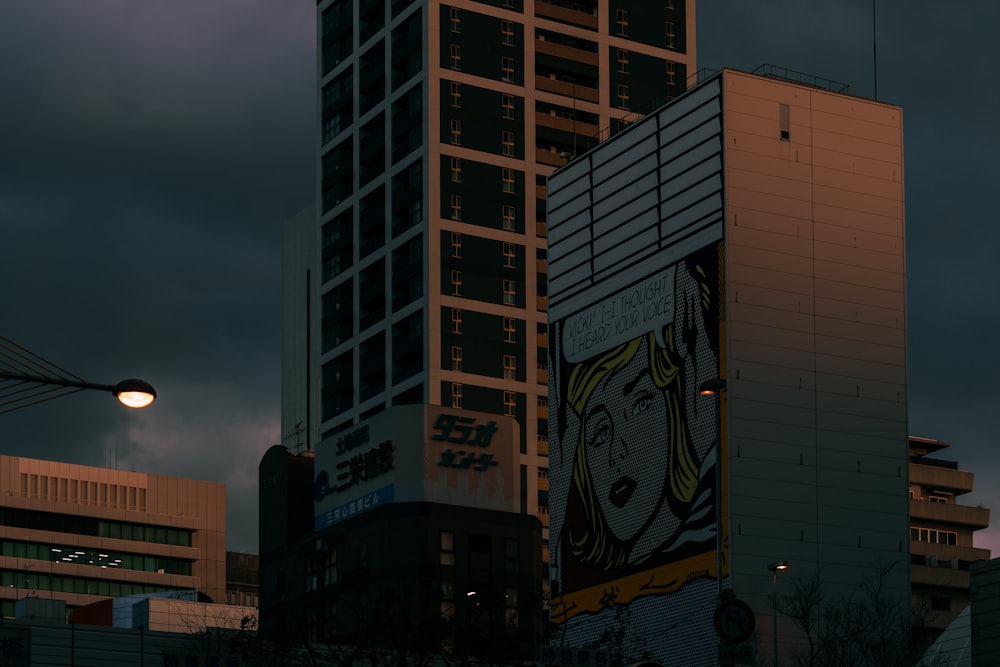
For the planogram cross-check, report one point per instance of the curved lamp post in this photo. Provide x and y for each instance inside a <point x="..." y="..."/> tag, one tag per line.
<point x="715" y="387"/>
<point x="27" y="379"/>
<point x="774" y="569"/>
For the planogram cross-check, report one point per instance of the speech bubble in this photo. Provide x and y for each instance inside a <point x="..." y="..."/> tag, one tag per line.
<point x="645" y="306"/>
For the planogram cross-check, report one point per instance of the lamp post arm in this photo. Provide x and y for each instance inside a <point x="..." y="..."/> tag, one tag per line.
<point x="62" y="382"/>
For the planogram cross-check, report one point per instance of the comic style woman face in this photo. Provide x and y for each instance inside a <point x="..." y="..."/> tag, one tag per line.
<point x="626" y="441"/>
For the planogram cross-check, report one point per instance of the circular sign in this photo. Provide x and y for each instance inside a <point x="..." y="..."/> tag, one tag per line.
<point x="734" y="621"/>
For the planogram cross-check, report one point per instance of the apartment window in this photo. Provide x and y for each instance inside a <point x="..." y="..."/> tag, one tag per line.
<point x="456" y="358"/>
<point x="456" y="395"/>
<point x="447" y="600"/>
<point x="507" y="68"/>
<point x="543" y="402"/>
<point x="507" y="176"/>
<point x="784" y="122"/>
<point x="507" y="32"/>
<point x="670" y="4"/>
<point x="508" y="3"/>
<point x="509" y="330"/>
<point x="509" y="257"/>
<point x="447" y="547"/>
<point x="456" y="282"/>
<point x="510" y="403"/>
<point x="671" y="34"/>
<point x="509" y="293"/>
<point x="934" y="536"/>
<point x="509" y="367"/>
<point x="456" y="207"/>
<point x="507" y="138"/>
<point x="623" y="61"/>
<point x="456" y="320"/>
<point x="511" y="556"/>
<point x="456" y="19"/>
<point x="621" y="18"/>
<point x="456" y="245"/>
<point x="671" y="73"/>
<point x="543" y="473"/>
<point x="508" y="217"/>
<point x="507" y="103"/>
<point x="456" y="95"/>
<point x="456" y="132"/>
<point x="330" y="567"/>
<point x="456" y="170"/>
<point x="456" y="56"/>
<point x="623" y="96"/>
<point x="938" y="499"/>
<point x="510" y="608"/>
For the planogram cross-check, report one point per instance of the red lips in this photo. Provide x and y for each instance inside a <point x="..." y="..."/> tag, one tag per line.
<point x="621" y="491"/>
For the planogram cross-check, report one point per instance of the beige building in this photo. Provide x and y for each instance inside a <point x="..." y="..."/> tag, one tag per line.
<point x="80" y="533"/>
<point x="941" y="535"/>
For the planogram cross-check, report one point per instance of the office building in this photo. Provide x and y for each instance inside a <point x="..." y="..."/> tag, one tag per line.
<point x="941" y="536"/>
<point x="81" y="534"/>
<point x="746" y="239"/>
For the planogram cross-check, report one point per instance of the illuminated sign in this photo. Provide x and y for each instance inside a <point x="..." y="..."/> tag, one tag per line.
<point x="464" y="431"/>
<point x="353" y="507"/>
<point x="356" y="468"/>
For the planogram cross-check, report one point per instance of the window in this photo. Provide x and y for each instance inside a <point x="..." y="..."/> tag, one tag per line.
<point x="447" y="547"/>
<point x="456" y="245"/>
<point x="510" y="608"/>
<point x="510" y="403"/>
<point x="938" y="499"/>
<point x="933" y="536"/>
<point x="456" y="395"/>
<point x="456" y="132"/>
<point x="330" y="567"/>
<point x="621" y="17"/>
<point x="456" y="207"/>
<point x="509" y="367"/>
<point x="511" y="556"/>
<point x="509" y="293"/>
<point x="671" y="73"/>
<point x="507" y="68"/>
<point x="456" y="358"/>
<point x="543" y="473"/>
<point x="507" y="175"/>
<point x="784" y="122"/>
<point x="447" y="600"/>
<point x="543" y="402"/>
<point x="671" y="34"/>
<point x="508" y="217"/>
<point x="456" y="56"/>
<point x="509" y="257"/>
<point x="456" y="170"/>
<point x="456" y="19"/>
<point x="623" y="61"/>
<point x="509" y="330"/>
<point x="456" y="320"/>
<point x="456" y="95"/>
<point x="507" y="103"/>
<point x="623" y="96"/>
<point x="507" y="138"/>
<point x="507" y="32"/>
<point x="456" y="282"/>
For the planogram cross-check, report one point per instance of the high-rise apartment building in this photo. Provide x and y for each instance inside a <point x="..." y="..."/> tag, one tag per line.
<point x="439" y="123"/>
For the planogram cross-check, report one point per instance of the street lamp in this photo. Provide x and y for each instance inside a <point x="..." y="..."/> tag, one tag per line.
<point x="774" y="569"/>
<point x="27" y="378"/>
<point x="715" y="387"/>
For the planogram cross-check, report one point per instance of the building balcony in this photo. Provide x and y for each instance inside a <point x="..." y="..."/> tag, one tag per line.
<point x="543" y="340"/>
<point x="542" y="303"/>
<point x="541" y="266"/>
<point x="936" y="477"/>
<point x="563" y="124"/>
<point x="542" y="375"/>
<point x="550" y="84"/>
<point x="947" y="513"/>
<point x="543" y="447"/>
<point x="551" y="158"/>
<point x="547" y="10"/>
<point x="541" y="230"/>
<point x="566" y="52"/>
<point x="939" y="577"/>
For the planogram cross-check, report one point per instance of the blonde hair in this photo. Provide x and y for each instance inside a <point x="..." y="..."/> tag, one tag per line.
<point x="594" y="544"/>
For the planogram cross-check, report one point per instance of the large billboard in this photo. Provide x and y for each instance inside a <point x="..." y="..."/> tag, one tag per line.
<point x="418" y="453"/>
<point x="635" y="330"/>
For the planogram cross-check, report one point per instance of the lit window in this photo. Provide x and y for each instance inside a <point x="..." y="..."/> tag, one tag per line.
<point x="671" y="35"/>
<point x="510" y="403"/>
<point x="456" y="320"/>
<point x="456" y="207"/>
<point x="509" y="367"/>
<point x="456" y="395"/>
<point x="543" y="402"/>
<point x="509" y="330"/>
<point x="671" y="73"/>
<point x="456" y="132"/>
<point x="456" y="245"/>
<point x="447" y="545"/>
<point x="456" y="170"/>
<point x="456" y="95"/>
<point x="507" y="138"/>
<point x="456" y="56"/>
<point x="623" y="96"/>
<point x="456" y="358"/>
<point x="507" y="103"/>
<point x="507" y="175"/>
<point x="508" y="217"/>
<point x="456" y="282"/>
<point x="509" y="257"/>
<point x="509" y="293"/>
<point x="507" y="30"/>
<point x="623" y="61"/>
<point x="507" y="68"/>
<point x="456" y="19"/>
<point x="621" y="17"/>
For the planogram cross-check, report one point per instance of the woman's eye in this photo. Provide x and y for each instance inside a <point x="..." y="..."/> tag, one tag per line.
<point x="642" y="403"/>
<point x="601" y="436"/>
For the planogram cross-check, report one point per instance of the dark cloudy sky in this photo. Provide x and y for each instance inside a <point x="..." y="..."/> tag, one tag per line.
<point x="150" y="150"/>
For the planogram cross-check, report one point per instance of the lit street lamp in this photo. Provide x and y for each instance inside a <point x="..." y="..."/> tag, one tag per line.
<point x="27" y="379"/>
<point x="774" y="568"/>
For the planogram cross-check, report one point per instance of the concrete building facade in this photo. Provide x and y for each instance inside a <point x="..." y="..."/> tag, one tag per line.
<point x="746" y="238"/>
<point x="80" y="533"/>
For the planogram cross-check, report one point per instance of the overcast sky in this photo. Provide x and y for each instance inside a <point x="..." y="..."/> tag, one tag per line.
<point x="150" y="151"/>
